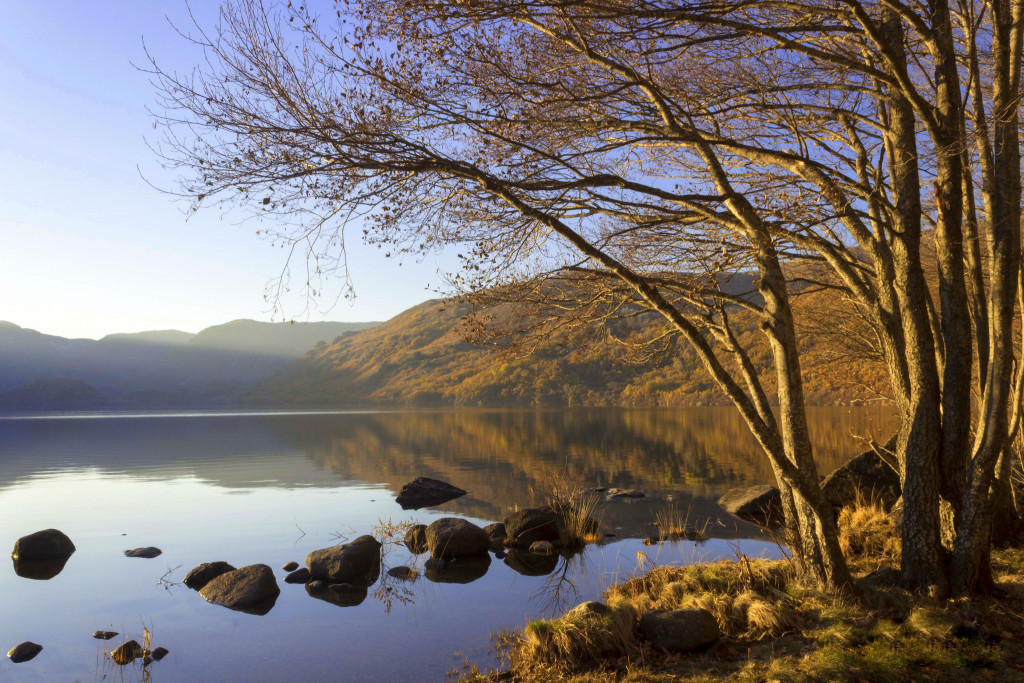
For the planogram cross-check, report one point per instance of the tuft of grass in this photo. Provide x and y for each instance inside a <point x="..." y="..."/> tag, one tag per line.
<point x="674" y="525"/>
<point x="868" y="533"/>
<point x="580" y="638"/>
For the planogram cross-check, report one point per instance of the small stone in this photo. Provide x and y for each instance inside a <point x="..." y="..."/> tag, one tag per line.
<point x="290" y="566"/>
<point x="104" y="635"/>
<point x="403" y="572"/>
<point x="127" y="653"/>
<point x="542" y="547"/>
<point x="148" y="552"/>
<point x="24" y="651"/>
<point x="160" y="653"/>
<point x="298" y="576"/>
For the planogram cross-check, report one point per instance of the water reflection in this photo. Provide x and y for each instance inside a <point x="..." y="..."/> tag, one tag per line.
<point x="39" y="570"/>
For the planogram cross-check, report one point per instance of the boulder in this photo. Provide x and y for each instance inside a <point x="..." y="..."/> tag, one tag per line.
<point x="679" y="630"/>
<point x="760" y="505"/>
<point x="864" y="476"/>
<point x="460" y="570"/>
<point x="22" y="652"/>
<point x="496" y="532"/>
<point x="127" y="653"/>
<point x="354" y="562"/>
<point x="148" y="552"/>
<point x="423" y="492"/>
<point x="300" y="575"/>
<point x="46" y="545"/>
<point x="416" y="539"/>
<point x="290" y="566"/>
<point x="525" y="527"/>
<point x="104" y="635"/>
<point x="451" y="537"/>
<point x="251" y="589"/>
<point x="205" y="573"/>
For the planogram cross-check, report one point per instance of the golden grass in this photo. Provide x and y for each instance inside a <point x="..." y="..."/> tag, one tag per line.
<point x="869" y="533"/>
<point x="674" y="525"/>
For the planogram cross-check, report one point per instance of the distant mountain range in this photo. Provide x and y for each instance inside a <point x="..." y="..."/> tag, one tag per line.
<point x="158" y="369"/>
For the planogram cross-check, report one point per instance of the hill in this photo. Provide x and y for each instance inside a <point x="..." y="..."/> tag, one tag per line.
<point x="158" y="369"/>
<point x="420" y="358"/>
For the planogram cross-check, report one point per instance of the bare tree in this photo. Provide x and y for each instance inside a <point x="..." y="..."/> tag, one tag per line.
<point x="637" y="152"/>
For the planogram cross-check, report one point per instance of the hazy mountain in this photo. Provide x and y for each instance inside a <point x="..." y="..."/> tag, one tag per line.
<point x="165" y="368"/>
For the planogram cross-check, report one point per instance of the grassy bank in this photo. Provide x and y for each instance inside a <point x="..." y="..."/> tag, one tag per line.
<point x="775" y="629"/>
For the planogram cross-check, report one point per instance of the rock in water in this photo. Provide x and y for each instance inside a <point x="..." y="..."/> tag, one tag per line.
<point x="104" y="635"/>
<point x="404" y="573"/>
<point x="422" y="492"/>
<point x="679" y="630"/>
<point x="250" y="589"/>
<point x="416" y="539"/>
<point x="865" y="475"/>
<point x="290" y="566"/>
<point x="300" y="575"/>
<point x="24" y="651"/>
<point x="451" y="537"/>
<point x="624" y="493"/>
<point x="49" y="544"/>
<point x="160" y="652"/>
<point x="355" y="562"/>
<point x="149" y="552"/>
<point x="760" y="505"/>
<point x="127" y="653"/>
<point x="525" y="527"/>
<point x="205" y="573"/>
<point x="496" y="532"/>
<point x="461" y="570"/>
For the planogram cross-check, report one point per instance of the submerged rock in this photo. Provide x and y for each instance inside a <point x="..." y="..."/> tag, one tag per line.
<point x="104" y="635"/>
<point x="22" y="652"/>
<point x="354" y="562"/>
<point x="679" y="630"/>
<point x="159" y="653"/>
<point x="451" y="537"/>
<point x="424" y="492"/>
<point x="45" y="545"/>
<point x="148" y="552"/>
<point x="416" y="539"/>
<point x="251" y="589"/>
<point x="760" y="505"/>
<point x="530" y="564"/>
<point x="340" y="594"/>
<point x="127" y="653"/>
<point x="205" y="573"/>
<point x="404" y="573"/>
<point x="41" y="570"/>
<point x="300" y="575"/>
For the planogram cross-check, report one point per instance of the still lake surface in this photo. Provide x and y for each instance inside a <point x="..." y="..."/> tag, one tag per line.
<point x="271" y="487"/>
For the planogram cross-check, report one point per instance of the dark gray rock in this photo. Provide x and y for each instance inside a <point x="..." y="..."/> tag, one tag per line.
<point x="159" y="653"/>
<point x="251" y="589"/>
<point x="423" y="492"/>
<point x="22" y="652"/>
<point x="49" y="544"/>
<point x="416" y="539"/>
<point x="496" y="532"/>
<point x="542" y="547"/>
<point x="127" y="653"/>
<point x="340" y="594"/>
<point x="525" y="527"/>
<point x="300" y="575"/>
<point x="104" y="635"/>
<point x="354" y="562"/>
<point x="451" y="537"/>
<point x="866" y="476"/>
<point x="148" y="552"/>
<point x="404" y="573"/>
<point x="205" y="573"/>
<point x="290" y="566"/>
<point x="679" y="630"/>
<point x="434" y="564"/>
<point x="459" y="570"/>
<point x="760" y="505"/>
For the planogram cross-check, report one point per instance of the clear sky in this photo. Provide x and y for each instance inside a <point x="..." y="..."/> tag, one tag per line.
<point x="87" y="248"/>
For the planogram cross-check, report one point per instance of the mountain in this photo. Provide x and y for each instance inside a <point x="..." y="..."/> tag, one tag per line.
<point x="420" y="358"/>
<point x="157" y="369"/>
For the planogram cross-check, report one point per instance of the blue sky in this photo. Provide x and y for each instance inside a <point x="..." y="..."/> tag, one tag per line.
<point x="87" y="248"/>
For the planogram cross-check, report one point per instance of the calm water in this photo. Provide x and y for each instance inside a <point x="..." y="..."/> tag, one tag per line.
<point x="270" y="488"/>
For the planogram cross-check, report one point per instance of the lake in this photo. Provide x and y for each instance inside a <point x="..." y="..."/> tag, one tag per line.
<point x="271" y="487"/>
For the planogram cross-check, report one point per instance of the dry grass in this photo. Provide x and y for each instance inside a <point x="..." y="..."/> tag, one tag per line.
<point x="674" y="525"/>
<point x="579" y="511"/>
<point x="776" y="629"/>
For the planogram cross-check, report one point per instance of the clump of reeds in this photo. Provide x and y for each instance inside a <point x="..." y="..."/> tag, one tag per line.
<point x="674" y="525"/>
<point x="579" y="511"/>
